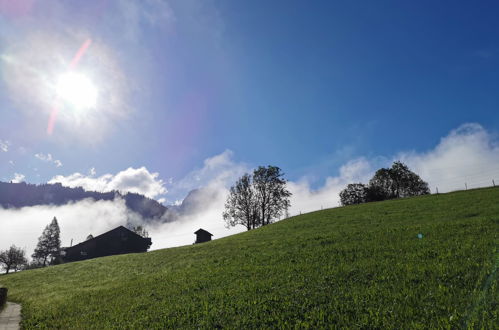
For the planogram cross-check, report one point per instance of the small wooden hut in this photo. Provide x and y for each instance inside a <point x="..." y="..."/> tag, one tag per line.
<point x="202" y="236"/>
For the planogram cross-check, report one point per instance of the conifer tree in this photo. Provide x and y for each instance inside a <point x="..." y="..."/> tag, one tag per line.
<point x="48" y="248"/>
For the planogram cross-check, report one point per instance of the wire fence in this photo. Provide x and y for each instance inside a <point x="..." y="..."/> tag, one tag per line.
<point x="487" y="178"/>
<point x="441" y="181"/>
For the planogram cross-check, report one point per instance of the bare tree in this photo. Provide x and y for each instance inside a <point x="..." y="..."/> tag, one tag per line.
<point x="13" y="258"/>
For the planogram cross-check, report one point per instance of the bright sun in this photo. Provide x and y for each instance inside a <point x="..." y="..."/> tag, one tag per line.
<point x="77" y="89"/>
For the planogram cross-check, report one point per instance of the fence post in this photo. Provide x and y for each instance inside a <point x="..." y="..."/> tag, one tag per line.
<point x="466" y="185"/>
<point x="493" y="183"/>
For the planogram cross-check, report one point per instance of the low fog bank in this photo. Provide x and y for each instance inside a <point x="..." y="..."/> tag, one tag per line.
<point x="202" y="211"/>
<point x="24" y="226"/>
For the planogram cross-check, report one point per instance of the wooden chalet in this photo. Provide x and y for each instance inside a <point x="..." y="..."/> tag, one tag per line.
<point x="120" y="240"/>
<point x="202" y="236"/>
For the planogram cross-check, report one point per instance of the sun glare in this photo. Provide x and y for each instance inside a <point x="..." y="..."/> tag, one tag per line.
<point x="77" y="89"/>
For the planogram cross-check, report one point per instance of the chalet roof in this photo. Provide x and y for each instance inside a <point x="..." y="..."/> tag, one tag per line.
<point x="201" y="231"/>
<point x="119" y="228"/>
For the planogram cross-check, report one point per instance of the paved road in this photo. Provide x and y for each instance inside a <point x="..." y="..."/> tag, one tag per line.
<point x="10" y="317"/>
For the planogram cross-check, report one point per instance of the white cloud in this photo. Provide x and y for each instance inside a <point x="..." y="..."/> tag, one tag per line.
<point x="306" y="199"/>
<point x="23" y="226"/>
<point x="4" y="145"/>
<point x="181" y="231"/>
<point x="469" y="154"/>
<point x="43" y="157"/>
<point x="77" y="220"/>
<point x="136" y="180"/>
<point x="47" y="158"/>
<point x="220" y="171"/>
<point x="466" y="153"/>
<point x="203" y="207"/>
<point x="18" y="177"/>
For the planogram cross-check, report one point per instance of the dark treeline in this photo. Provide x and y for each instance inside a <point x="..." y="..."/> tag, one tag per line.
<point x="397" y="181"/>
<point x="16" y="195"/>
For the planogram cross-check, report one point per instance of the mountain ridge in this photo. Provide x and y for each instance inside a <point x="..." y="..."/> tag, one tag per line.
<point x="17" y="195"/>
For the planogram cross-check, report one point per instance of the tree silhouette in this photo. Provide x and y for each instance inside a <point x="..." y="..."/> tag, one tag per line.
<point x="396" y="182"/>
<point x="240" y="208"/>
<point x="354" y="193"/>
<point x="13" y="258"/>
<point x="257" y="200"/>
<point x="387" y="183"/>
<point x="48" y="249"/>
<point x="272" y="197"/>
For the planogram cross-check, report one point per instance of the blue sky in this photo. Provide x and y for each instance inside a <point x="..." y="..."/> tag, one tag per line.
<point x="307" y="86"/>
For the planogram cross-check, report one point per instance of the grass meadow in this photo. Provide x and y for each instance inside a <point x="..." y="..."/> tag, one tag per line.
<point x="357" y="266"/>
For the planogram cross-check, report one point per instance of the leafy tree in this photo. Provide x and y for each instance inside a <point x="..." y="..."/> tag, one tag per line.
<point x="354" y="193"/>
<point x="272" y="197"/>
<point x="240" y="208"/>
<point x="13" y="258"/>
<point x="395" y="182"/>
<point x="380" y="186"/>
<point x="257" y="200"/>
<point x="48" y="249"/>
<point x="387" y="183"/>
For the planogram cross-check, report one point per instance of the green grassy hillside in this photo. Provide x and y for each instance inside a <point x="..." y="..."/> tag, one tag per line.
<point x="356" y="266"/>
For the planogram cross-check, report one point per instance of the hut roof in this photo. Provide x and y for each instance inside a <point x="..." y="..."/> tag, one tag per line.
<point x="200" y="230"/>
<point x="119" y="228"/>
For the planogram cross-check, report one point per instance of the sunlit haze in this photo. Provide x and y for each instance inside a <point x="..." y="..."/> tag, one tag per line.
<point x="172" y="98"/>
<point x="77" y="89"/>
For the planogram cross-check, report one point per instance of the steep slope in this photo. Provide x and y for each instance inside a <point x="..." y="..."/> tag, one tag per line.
<point x="356" y="266"/>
